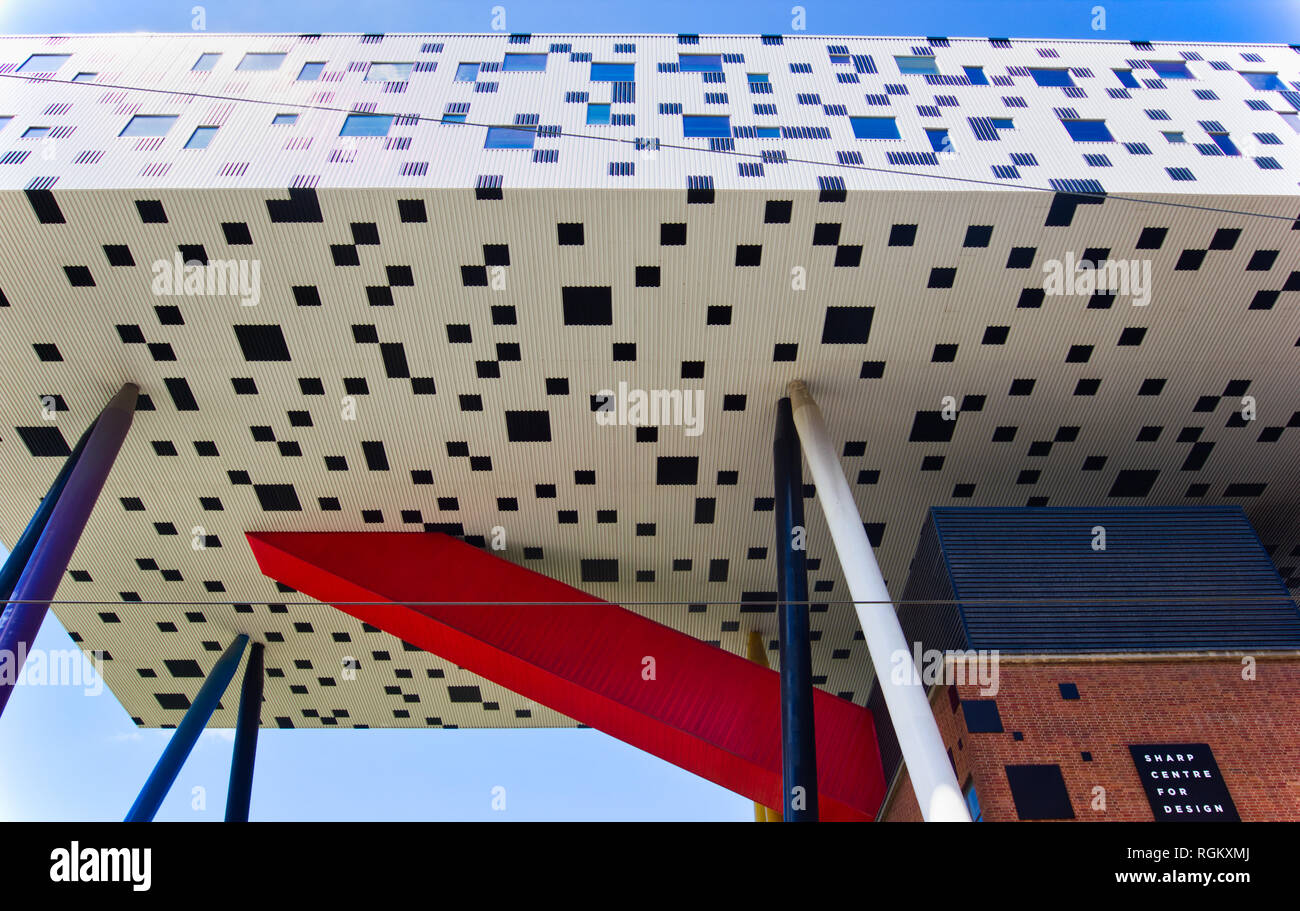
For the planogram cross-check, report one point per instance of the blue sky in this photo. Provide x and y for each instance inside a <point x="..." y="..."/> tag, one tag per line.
<point x="1201" y="20"/>
<point x="68" y="755"/>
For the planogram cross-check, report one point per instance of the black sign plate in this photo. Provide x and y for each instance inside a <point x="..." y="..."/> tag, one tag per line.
<point x="1183" y="783"/>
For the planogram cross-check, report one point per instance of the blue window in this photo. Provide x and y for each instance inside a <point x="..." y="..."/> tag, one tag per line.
<point x="284" y="120"/>
<point x="36" y="132"/>
<point x="757" y="77"/>
<point x="1126" y="79"/>
<point x="4" y="121"/>
<point x="310" y="72"/>
<point x="1224" y="143"/>
<point x="939" y="140"/>
<point x="973" y="803"/>
<point x="467" y="72"/>
<point x="1087" y="130"/>
<point x="509" y="138"/>
<point x="453" y="118"/>
<point x="261" y="62"/>
<point x="84" y="77"/>
<point x="767" y="132"/>
<point x="700" y="63"/>
<point x="1264" y="81"/>
<point x="43" y="63"/>
<point x="1002" y="123"/>
<point x="1171" y="69"/>
<point x="975" y="74"/>
<point x="613" y="72"/>
<point x="388" y="72"/>
<point x="1174" y="137"/>
<point x="874" y="128"/>
<point x="1050" y="77"/>
<point x="200" y="138"/>
<point x="927" y="65"/>
<point x="598" y="113"/>
<point x="524" y="63"/>
<point x="206" y="62"/>
<point x="366" y="125"/>
<point x="148" y="125"/>
<point x="697" y="125"/>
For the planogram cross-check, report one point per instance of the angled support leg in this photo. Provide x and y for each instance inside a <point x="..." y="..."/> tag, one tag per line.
<point x="47" y="560"/>
<point x="703" y="708"/>
<point x="187" y="734"/>
<point x="798" y="738"/>
<point x="240" y="792"/>
<point x="919" y="740"/>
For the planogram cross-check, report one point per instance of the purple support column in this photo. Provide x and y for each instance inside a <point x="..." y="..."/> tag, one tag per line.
<point x="49" y="561"/>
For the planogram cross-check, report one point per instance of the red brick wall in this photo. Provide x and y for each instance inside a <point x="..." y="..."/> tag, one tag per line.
<point x="1252" y="726"/>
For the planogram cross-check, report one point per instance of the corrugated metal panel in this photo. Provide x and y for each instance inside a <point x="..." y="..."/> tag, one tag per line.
<point x="936" y="625"/>
<point x="1176" y="578"/>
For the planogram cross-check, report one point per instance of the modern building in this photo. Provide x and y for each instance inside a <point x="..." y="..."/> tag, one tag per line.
<point x="541" y="296"/>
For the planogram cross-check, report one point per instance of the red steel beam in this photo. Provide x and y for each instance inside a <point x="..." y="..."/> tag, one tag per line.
<point x="703" y="709"/>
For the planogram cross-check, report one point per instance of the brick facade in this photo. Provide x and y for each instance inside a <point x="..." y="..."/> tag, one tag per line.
<point x="1251" y="725"/>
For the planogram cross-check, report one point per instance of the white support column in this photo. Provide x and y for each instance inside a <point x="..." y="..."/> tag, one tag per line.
<point x="937" y="791"/>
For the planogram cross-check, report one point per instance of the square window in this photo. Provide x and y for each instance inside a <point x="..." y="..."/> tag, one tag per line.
<point x="1266" y="82"/>
<point x="1171" y="69"/>
<point x="509" y="138"/>
<point x="43" y="63"/>
<point x="200" y="138"/>
<point x="981" y="716"/>
<point x="874" y="128"/>
<point x="1039" y="792"/>
<point x="975" y="75"/>
<point x="699" y="63"/>
<point x="310" y="72"/>
<point x="1126" y="79"/>
<point x="388" y="72"/>
<point x="148" y="125"/>
<point x="205" y="62"/>
<point x="467" y="72"/>
<point x="705" y="125"/>
<point x="524" y="63"/>
<point x="913" y="65"/>
<point x="367" y="125"/>
<point x="612" y="72"/>
<point x="902" y="235"/>
<point x="939" y="140"/>
<point x="1087" y="130"/>
<point x="597" y="114"/>
<point x="1050" y="77"/>
<point x="260" y="63"/>
<point x="1224" y="143"/>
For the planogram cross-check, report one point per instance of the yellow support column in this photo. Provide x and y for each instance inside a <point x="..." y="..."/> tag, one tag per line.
<point x="758" y="654"/>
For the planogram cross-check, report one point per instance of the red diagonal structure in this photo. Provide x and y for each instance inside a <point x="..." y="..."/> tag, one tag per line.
<point x="706" y="710"/>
